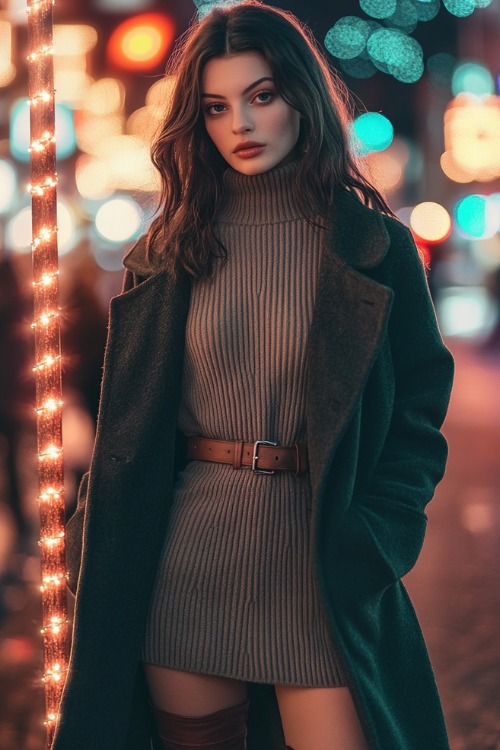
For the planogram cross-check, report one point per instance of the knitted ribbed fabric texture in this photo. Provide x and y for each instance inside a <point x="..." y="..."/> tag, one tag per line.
<point x="235" y="593"/>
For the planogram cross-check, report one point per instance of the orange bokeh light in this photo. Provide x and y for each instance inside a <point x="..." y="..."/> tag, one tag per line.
<point x="141" y="42"/>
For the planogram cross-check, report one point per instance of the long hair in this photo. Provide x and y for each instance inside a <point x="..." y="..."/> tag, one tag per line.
<point x="183" y="235"/>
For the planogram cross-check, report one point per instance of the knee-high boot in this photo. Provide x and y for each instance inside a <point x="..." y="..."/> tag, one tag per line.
<point x="223" y="730"/>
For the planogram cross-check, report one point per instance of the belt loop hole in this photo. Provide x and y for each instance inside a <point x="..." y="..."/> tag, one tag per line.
<point x="238" y="453"/>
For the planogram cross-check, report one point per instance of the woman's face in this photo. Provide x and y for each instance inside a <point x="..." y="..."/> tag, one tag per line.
<point x="241" y="105"/>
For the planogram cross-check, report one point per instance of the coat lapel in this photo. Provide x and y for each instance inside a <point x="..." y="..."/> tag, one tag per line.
<point x="349" y="320"/>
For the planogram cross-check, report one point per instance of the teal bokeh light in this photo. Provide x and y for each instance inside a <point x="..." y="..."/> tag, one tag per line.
<point x="20" y="131"/>
<point x="359" y="67"/>
<point x="426" y="11"/>
<point x="205" y="6"/>
<point x="371" y="131"/>
<point x="472" y="78"/>
<point x="470" y="215"/>
<point x="378" y="8"/>
<point x="405" y="16"/>
<point x="440" y="68"/>
<point x="394" y="52"/>
<point x="460" y="8"/>
<point x="347" y="39"/>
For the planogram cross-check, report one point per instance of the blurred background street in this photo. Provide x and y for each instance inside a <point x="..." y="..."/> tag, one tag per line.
<point x="425" y="75"/>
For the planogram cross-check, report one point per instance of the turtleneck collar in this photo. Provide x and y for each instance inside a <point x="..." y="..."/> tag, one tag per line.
<point x="266" y="198"/>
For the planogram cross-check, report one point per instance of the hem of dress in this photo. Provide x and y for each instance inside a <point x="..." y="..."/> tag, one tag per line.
<point x="238" y="676"/>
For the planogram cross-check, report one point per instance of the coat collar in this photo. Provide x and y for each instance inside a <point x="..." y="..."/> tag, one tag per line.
<point x="358" y="237"/>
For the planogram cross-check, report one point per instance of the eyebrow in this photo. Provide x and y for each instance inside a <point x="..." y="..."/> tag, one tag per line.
<point x="245" y="91"/>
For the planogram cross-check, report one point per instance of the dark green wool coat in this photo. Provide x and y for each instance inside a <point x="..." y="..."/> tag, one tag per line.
<point x="379" y="379"/>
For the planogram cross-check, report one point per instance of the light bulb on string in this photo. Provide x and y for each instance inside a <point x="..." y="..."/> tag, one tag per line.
<point x="47" y="365"/>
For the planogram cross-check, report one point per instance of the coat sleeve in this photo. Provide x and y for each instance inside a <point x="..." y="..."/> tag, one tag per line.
<point x="74" y="526"/>
<point x="384" y="528"/>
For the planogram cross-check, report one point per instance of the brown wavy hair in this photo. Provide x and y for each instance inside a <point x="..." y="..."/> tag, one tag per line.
<point x="191" y="168"/>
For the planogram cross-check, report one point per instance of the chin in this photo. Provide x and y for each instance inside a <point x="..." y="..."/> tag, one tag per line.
<point x="254" y="166"/>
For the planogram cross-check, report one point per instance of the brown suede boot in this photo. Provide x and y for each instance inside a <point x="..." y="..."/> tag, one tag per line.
<point x="223" y="730"/>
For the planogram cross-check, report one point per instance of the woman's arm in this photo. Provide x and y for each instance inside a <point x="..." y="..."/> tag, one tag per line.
<point x="384" y="528"/>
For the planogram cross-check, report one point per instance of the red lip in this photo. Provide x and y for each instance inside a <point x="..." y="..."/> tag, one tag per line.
<point x="246" y="144"/>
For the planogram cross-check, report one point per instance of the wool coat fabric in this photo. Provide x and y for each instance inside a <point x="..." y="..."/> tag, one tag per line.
<point x="379" y="379"/>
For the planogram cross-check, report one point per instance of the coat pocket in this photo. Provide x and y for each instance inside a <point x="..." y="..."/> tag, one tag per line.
<point x="379" y="542"/>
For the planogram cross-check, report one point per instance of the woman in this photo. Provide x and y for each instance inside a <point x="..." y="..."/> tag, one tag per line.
<point x="232" y="593"/>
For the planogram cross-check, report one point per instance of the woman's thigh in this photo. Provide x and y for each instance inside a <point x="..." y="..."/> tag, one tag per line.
<point x="319" y="718"/>
<point x="191" y="694"/>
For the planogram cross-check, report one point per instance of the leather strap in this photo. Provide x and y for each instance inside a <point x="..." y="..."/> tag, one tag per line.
<point x="238" y="454"/>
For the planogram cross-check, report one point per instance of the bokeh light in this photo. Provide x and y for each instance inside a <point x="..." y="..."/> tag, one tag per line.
<point x="19" y="230"/>
<point x="431" y="221"/>
<point x="7" y="185"/>
<point x="371" y="131"/>
<point x="7" y="67"/>
<point x="92" y="133"/>
<point x="119" y="219"/>
<point x="74" y="39"/>
<point x="92" y="178"/>
<point x="141" y="42"/>
<point x="20" y="131"/>
<point x="358" y="67"/>
<point x="205" y="6"/>
<point x="472" y="78"/>
<point x="405" y="17"/>
<point x="347" y="39"/>
<point x="466" y="311"/>
<point x="378" y="8"/>
<point x="426" y="10"/>
<point x="460" y="8"/>
<point x="471" y="128"/>
<point x="478" y="215"/>
<point x="385" y="170"/>
<point x="396" y="53"/>
<point x="105" y="97"/>
<point x="440" y="68"/>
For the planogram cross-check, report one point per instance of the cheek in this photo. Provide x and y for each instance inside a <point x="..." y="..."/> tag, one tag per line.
<point x="213" y="131"/>
<point x="286" y="123"/>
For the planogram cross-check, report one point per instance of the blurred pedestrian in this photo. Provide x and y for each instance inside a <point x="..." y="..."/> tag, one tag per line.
<point x="268" y="436"/>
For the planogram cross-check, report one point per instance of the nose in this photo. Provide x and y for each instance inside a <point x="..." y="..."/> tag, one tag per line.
<point x="242" y="122"/>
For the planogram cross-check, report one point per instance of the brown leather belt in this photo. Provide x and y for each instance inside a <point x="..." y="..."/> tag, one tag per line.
<point x="263" y="456"/>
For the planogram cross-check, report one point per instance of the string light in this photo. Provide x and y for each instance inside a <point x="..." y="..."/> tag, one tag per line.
<point x="45" y="319"/>
<point x="45" y="235"/>
<point x="42" y="143"/>
<point x="42" y="97"/>
<point x="38" y="5"/>
<point x="51" y="721"/>
<point x="47" y="367"/>
<point x="46" y="279"/>
<point x="55" y="673"/>
<point x="54" y="627"/>
<point x="51" y="404"/>
<point x="47" y="49"/>
<point x="50" y="494"/>
<point x="40" y="189"/>
<point x="48" y="361"/>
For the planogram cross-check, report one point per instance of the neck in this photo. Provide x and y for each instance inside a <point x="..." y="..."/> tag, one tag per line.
<point x="266" y="198"/>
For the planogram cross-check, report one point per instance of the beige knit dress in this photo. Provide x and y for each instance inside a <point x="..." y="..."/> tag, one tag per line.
<point x="235" y="593"/>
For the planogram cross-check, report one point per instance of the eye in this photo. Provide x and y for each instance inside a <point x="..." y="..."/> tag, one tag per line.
<point x="265" y="96"/>
<point x="211" y="109"/>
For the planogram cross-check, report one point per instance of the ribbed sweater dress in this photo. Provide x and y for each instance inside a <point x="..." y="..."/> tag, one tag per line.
<point x="235" y="593"/>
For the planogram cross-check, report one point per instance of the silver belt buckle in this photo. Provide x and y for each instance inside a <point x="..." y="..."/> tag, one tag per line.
<point x="255" y="456"/>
